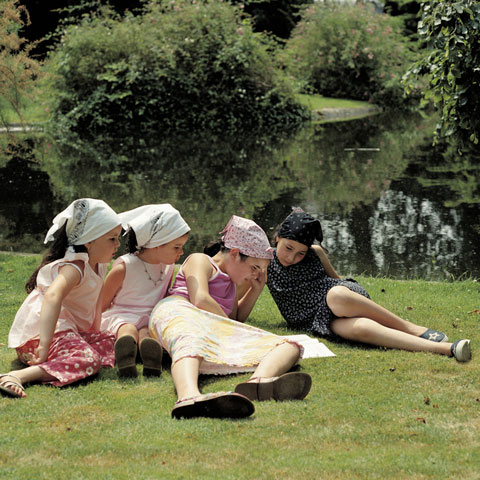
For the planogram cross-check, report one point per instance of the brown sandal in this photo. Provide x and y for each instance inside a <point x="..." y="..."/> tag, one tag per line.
<point x="151" y="353"/>
<point x="125" y="356"/>
<point x="214" y="405"/>
<point x="290" y="386"/>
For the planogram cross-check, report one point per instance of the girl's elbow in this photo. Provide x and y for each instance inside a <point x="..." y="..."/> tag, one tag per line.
<point x="200" y="301"/>
<point x="52" y="298"/>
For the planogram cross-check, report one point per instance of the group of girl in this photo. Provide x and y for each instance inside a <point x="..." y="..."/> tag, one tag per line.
<point x="74" y="322"/>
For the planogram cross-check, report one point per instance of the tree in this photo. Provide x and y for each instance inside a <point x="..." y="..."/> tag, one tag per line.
<point x="451" y="64"/>
<point x="18" y="71"/>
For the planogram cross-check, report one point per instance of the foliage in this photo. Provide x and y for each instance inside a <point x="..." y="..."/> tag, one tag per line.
<point x="371" y="413"/>
<point x="180" y="66"/>
<point x="278" y="17"/>
<point x="408" y="11"/>
<point x="18" y="72"/>
<point x="451" y="64"/>
<point x="349" y="51"/>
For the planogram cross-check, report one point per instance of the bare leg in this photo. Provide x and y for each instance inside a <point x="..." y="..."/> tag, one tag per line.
<point x="128" y="329"/>
<point x="185" y="377"/>
<point x="270" y="382"/>
<point x="143" y="333"/>
<point x="369" y="331"/>
<point x="278" y="361"/>
<point x="27" y="375"/>
<point x="345" y="303"/>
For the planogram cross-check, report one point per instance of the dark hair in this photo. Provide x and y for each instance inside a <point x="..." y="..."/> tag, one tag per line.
<point x="218" y="246"/>
<point x="57" y="250"/>
<point x="131" y="244"/>
<point x="276" y="232"/>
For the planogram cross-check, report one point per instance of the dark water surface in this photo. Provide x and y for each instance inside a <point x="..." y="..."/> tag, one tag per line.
<point x="389" y="203"/>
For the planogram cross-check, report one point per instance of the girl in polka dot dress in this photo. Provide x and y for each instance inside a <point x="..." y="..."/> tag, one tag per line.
<point x="56" y="330"/>
<point x="311" y="296"/>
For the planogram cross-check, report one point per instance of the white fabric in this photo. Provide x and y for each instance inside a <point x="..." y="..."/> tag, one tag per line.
<point x="87" y="219"/>
<point x="312" y="348"/>
<point x="155" y="225"/>
<point x="138" y="294"/>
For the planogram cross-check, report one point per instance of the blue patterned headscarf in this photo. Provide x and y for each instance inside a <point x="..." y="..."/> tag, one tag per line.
<point x="301" y="227"/>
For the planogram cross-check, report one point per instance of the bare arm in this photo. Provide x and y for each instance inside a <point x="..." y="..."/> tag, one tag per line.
<point x="249" y="296"/>
<point x="68" y="277"/>
<point x="325" y="261"/>
<point x="198" y="270"/>
<point x="113" y="283"/>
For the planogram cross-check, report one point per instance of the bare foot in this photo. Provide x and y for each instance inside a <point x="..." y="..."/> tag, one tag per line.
<point x="11" y="386"/>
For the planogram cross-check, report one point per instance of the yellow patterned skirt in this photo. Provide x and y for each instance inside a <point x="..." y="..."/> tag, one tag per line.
<point x="225" y="345"/>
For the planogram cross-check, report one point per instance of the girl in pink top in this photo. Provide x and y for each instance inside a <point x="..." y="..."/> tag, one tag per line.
<point x="201" y="326"/>
<point x="57" y="329"/>
<point x="139" y="280"/>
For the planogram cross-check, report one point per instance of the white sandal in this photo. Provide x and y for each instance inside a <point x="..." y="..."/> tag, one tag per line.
<point x="4" y="386"/>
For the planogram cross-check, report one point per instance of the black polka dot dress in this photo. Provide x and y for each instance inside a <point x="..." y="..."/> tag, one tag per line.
<point x="300" y="292"/>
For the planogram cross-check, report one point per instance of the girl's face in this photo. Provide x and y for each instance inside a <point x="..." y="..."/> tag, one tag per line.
<point x="290" y="252"/>
<point x="247" y="269"/>
<point x="104" y="248"/>
<point x="170" y="252"/>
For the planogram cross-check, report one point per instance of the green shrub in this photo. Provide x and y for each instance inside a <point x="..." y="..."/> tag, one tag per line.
<point x="349" y="51"/>
<point x="181" y="65"/>
<point x="451" y="65"/>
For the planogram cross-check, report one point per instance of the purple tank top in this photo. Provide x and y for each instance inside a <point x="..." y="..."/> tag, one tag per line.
<point x="220" y="287"/>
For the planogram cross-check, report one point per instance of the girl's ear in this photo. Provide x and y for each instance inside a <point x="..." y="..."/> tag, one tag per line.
<point x="234" y="253"/>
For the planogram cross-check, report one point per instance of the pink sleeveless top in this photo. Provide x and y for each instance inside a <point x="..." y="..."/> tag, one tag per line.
<point x="220" y="287"/>
<point x="79" y="307"/>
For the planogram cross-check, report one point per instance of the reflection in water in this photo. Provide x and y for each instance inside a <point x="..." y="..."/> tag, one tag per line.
<point x="377" y="217"/>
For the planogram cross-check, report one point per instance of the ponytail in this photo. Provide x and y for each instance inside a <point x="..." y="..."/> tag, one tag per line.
<point x="214" y="247"/>
<point x="57" y="250"/>
<point x="218" y="246"/>
<point x="131" y="244"/>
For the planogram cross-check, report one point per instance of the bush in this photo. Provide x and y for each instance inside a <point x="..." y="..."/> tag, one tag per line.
<point x="349" y="51"/>
<point x="179" y="66"/>
<point x="451" y="65"/>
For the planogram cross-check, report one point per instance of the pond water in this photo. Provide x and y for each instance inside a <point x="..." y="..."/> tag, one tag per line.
<point x="389" y="203"/>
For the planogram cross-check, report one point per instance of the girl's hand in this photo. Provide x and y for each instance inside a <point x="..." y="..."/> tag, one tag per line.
<point x="259" y="281"/>
<point x="40" y="355"/>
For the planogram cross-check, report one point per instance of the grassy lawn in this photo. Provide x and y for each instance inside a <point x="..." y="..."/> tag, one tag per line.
<point x="371" y="414"/>
<point x="316" y="102"/>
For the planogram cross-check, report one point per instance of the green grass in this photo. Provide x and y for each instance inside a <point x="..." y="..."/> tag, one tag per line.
<point x="371" y="414"/>
<point x="317" y="102"/>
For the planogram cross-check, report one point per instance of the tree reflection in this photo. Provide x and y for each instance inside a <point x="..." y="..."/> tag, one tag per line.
<point x="399" y="208"/>
<point x="208" y="178"/>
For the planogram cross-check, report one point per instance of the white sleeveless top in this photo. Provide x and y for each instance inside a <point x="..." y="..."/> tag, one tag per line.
<point x="143" y="287"/>
<point x="78" y="307"/>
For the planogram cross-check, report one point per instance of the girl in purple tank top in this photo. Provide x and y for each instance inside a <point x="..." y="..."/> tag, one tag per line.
<point x="201" y="326"/>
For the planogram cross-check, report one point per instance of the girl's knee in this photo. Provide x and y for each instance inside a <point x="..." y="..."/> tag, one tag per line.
<point x="293" y="350"/>
<point x="358" y="329"/>
<point x="337" y="296"/>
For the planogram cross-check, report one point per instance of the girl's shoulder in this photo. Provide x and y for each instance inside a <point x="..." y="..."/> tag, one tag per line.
<point x="199" y="263"/>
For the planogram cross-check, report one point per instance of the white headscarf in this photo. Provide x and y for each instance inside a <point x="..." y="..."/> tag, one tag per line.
<point x="155" y="225"/>
<point x="87" y="219"/>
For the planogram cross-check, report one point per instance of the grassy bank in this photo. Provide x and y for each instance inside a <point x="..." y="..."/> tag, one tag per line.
<point x="35" y="110"/>
<point x="371" y="413"/>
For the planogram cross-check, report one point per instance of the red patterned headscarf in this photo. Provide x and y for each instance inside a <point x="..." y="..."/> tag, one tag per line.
<point x="248" y="237"/>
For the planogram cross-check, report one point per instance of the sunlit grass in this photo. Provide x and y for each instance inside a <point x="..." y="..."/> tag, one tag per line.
<point x="317" y="102"/>
<point x="371" y="414"/>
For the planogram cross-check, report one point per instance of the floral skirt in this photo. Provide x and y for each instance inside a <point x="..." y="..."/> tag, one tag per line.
<point x="73" y="356"/>
<point x="225" y="345"/>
